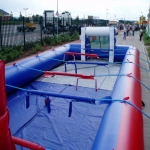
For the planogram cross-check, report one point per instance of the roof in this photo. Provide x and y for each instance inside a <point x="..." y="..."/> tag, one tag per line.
<point x="3" y="12"/>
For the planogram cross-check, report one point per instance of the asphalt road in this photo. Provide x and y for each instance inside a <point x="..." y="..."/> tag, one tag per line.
<point x="10" y="35"/>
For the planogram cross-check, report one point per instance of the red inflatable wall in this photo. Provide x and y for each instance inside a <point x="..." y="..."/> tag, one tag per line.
<point x="131" y="127"/>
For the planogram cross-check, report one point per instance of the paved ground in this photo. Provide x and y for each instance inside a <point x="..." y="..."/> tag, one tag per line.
<point x="103" y="82"/>
<point x="145" y="78"/>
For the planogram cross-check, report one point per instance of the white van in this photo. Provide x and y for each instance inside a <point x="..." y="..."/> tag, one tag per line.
<point x="67" y="18"/>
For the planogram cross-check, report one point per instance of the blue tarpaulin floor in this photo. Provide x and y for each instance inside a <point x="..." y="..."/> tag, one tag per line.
<point x="55" y="130"/>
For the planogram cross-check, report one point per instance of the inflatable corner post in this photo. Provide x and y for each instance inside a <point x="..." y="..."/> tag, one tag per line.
<point x="5" y="135"/>
<point x="7" y="142"/>
<point x="83" y="42"/>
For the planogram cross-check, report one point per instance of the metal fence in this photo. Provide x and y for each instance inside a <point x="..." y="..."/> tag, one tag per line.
<point x="23" y="31"/>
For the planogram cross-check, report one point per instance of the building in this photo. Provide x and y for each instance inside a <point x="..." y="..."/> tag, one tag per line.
<point x="4" y="14"/>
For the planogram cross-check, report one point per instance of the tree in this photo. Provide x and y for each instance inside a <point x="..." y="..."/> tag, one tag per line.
<point x="20" y="16"/>
<point x="11" y="16"/>
<point x="35" y="18"/>
<point x="1" y="14"/>
<point x="76" y="21"/>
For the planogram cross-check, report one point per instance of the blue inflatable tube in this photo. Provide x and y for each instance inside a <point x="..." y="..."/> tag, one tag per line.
<point x="21" y="76"/>
<point x="18" y="76"/>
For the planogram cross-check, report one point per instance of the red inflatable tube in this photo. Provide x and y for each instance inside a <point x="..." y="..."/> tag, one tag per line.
<point x="5" y="140"/>
<point x="81" y="54"/>
<point x="131" y="126"/>
<point x="52" y="73"/>
<point x="26" y="144"/>
<point x="2" y="90"/>
<point x="89" y="55"/>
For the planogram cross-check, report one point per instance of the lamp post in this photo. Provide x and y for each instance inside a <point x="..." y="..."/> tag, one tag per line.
<point x="25" y="10"/>
<point x="124" y="19"/>
<point x="57" y="17"/>
<point x="141" y="18"/>
<point x="106" y="14"/>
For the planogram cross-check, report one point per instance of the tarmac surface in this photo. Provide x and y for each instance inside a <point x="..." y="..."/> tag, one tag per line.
<point x="145" y="79"/>
<point x="103" y="82"/>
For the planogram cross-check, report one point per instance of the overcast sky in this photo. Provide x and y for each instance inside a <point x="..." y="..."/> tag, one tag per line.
<point x="126" y="9"/>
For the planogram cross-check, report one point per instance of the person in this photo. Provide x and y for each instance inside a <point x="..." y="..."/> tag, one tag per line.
<point x="133" y="29"/>
<point x="79" y="31"/>
<point x="141" y="34"/>
<point x="128" y="30"/>
<point x="125" y="32"/>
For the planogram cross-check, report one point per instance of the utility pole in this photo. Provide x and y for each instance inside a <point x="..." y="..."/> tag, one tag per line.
<point x="57" y="17"/>
<point x="106" y="14"/>
<point x="25" y="11"/>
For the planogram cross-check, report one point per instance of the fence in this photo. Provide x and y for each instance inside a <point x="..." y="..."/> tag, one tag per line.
<point x="24" y="31"/>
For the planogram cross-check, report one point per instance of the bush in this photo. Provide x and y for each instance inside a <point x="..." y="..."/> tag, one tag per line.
<point x="9" y="54"/>
<point x="145" y="38"/>
<point x="36" y="48"/>
<point x="148" y="51"/>
<point x="53" y="40"/>
<point x="47" y="40"/>
<point x="74" y="36"/>
<point x="14" y="52"/>
<point x="59" y="39"/>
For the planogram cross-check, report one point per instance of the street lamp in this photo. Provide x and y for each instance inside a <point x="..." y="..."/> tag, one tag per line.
<point x="57" y="14"/>
<point x="106" y="14"/>
<point x="25" y="10"/>
<point x="124" y="19"/>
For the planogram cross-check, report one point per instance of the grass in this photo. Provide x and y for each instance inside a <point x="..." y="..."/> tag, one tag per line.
<point x="145" y="39"/>
<point x="148" y="50"/>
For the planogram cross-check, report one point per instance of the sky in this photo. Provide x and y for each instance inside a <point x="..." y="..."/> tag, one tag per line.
<point x="102" y="9"/>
